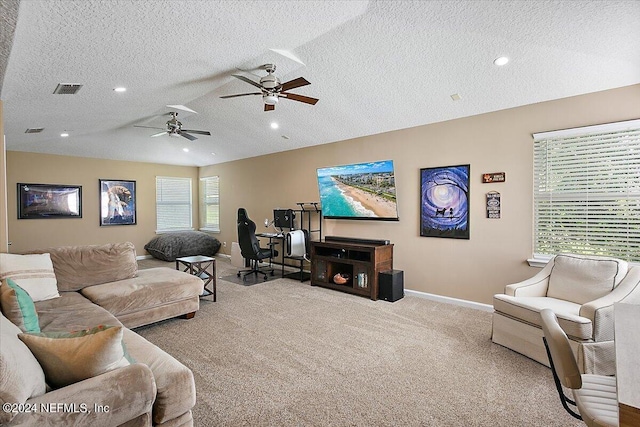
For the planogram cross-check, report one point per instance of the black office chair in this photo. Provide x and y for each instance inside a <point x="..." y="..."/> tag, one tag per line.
<point x="250" y="247"/>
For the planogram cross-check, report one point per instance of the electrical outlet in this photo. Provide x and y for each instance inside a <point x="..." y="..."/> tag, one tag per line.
<point x="224" y="244"/>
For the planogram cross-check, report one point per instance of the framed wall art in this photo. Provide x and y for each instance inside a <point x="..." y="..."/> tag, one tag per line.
<point x="49" y="201"/>
<point x="117" y="202"/>
<point x="444" y="202"/>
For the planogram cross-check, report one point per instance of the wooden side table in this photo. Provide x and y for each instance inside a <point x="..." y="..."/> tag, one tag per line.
<point x="202" y="266"/>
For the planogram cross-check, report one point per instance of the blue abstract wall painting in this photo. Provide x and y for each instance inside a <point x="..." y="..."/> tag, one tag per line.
<point x="444" y="202"/>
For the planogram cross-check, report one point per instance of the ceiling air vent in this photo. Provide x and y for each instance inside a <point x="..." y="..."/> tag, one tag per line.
<point x="34" y="130"/>
<point x="67" y="89"/>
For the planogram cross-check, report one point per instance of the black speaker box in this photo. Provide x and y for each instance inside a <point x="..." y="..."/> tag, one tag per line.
<point x="391" y="285"/>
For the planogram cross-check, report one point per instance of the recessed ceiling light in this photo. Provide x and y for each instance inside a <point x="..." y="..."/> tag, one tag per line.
<point x="120" y="89"/>
<point x="456" y="97"/>
<point x="213" y="154"/>
<point x="64" y="134"/>
<point x="501" y="61"/>
<point x="186" y="150"/>
<point x="285" y="137"/>
<point x="274" y="125"/>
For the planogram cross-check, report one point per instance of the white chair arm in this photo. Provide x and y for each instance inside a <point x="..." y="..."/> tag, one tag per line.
<point x="600" y="311"/>
<point x="535" y="286"/>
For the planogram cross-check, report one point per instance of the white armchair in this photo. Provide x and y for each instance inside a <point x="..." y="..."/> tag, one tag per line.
<point x="579" y="289"/>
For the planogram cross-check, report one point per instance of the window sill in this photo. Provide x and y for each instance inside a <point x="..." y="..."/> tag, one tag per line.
<point x="173" y="231"/>
<point x="539" y="261"/>
<point x="210" y="230"/>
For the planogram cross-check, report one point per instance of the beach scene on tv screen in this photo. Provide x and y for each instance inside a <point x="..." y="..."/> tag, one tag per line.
<point x="363" y="190"/>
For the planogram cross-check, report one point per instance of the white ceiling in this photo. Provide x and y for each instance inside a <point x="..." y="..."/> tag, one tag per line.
<point x="376" y="66"/>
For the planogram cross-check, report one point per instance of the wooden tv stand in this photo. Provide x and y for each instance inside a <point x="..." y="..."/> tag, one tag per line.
<point x="361" y="261"/>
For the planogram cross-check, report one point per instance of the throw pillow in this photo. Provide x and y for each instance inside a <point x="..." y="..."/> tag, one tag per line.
<point x="18" y="306"/>
<point x="33" y="273"/>
<point x="67" y="358"/>
<point x="21" y="376"/>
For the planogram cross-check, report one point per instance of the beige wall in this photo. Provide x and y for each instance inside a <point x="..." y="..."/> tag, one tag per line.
<point x="4" y="226"/>
<point x="27" y="234"/>
<point x="473" y="269"/>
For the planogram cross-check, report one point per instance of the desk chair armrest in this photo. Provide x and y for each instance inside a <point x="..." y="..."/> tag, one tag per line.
<point x="600" y="311"/>
<point x="535" y="286"/>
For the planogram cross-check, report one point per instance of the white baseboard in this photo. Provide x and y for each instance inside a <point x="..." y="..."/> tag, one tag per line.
<point x="449" y="300"/>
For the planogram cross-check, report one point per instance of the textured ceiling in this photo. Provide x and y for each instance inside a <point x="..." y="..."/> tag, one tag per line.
<point x="376" y="66"/>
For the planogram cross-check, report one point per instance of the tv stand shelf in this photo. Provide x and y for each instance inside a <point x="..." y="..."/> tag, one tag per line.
<point x="361" y="261"/>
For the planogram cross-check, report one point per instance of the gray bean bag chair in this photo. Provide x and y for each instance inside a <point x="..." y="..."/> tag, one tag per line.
<point x="170" y="246"/>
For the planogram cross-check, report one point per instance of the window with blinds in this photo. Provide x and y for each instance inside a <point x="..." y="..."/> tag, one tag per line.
<point x="173" y="204"/>
<point x="210" y="203"/>
<point x="587" y="191"/>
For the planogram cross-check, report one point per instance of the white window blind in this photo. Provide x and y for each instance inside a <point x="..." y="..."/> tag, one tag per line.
<point x="587" y="191"/>
<point x="173" y="204"/>
<point x="210" y="203"/>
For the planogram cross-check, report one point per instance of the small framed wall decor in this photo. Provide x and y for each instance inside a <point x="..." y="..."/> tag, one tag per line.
<point x="444" y="202"/>
<point x="49" y="201"/>
<point x="117" y="202"/>
<point x="493" y="205"/>
<point x="488" y="178"/>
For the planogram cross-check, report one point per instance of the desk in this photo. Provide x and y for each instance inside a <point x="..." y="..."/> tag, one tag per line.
<point x="271" y="237"/>
<point x="203" y="267"/>
<point x="627" y="342"/>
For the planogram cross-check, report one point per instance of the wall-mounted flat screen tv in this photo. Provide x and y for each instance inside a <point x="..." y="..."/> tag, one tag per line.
<point x="359" y="191"/>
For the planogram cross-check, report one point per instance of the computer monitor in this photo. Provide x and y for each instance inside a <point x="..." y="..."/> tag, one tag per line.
<point x="283" y="218"/>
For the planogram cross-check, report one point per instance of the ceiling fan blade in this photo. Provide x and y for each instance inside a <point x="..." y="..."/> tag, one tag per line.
<point x="158" y="134"/>
<point x="189" y="137"/>
<point x="199" y="132"/>
<point x="292" y="84"/>
<point x="300" y="98"/>
<point x="241" y="94"/>
<point x="244" y="79"/>
<point x="269" y="107"/>
<point x="146" y="127"/>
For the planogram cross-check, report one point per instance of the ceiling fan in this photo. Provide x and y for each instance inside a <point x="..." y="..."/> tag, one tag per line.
<point x="174" y="128"/>
<point x="271" y="89"/>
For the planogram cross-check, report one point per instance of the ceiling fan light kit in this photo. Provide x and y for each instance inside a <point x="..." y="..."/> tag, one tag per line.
<point x="270" y="99"/>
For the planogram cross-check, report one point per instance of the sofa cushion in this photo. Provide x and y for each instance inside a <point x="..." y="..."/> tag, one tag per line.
<point x="21" y="376"/>
<point x="153" y="287"/>
<point x="18" y="306"/>
<point x="170" y="246"/>
<point x="72" y="312"/>
<point x="79" y="266"/>
<point x="581" y="279"/>
<point x="527" y="309"/>
<point x="33" y="273"/>
<point x="67" y="358"/>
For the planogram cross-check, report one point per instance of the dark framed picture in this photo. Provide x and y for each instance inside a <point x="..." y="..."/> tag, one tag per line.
<point x="117" y="202"/>
<point x="444" y="202"/>
<point x="49" y="201"/>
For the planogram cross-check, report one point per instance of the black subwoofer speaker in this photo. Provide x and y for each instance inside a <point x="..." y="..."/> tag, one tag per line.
<point x="391" y="285"/>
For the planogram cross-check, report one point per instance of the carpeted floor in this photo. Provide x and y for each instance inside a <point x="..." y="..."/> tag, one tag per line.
<point x="283" y="353"/>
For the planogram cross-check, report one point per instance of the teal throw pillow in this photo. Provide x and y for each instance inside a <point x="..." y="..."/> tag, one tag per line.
<point x="18" y="307"/>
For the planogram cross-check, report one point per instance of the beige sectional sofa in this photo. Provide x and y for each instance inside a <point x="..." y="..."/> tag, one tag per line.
<point x="98" y="285"/>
